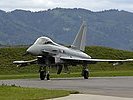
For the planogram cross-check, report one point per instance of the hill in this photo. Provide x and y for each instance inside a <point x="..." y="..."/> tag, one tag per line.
<point x="9" y="54"/>
<point x="111" y="28"/>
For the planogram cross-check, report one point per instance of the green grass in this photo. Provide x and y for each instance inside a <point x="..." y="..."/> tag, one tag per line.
<point x="75" y="74"/>
<point x="18" y="76"/>
<point x="111" y="73"/>
<point x="21" y="93"/>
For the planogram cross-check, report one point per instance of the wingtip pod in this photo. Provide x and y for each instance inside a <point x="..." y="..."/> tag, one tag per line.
<point x="79" y="42"/>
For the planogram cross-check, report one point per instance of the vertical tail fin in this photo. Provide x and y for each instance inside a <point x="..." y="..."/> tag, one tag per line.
<point x="79" y="42"/>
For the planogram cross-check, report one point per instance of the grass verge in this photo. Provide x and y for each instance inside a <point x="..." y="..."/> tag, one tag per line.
<point x="63" y="75"/>
<point x="21" y="93"/>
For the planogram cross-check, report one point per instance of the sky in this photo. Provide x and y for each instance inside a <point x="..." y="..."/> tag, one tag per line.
<point x="93" y="5"/>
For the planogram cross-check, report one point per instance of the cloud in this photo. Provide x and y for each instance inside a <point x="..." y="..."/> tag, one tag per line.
<point x="94" y="5"/>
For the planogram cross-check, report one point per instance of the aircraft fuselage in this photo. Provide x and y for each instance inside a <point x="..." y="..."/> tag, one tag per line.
<point x="55" y="49"/>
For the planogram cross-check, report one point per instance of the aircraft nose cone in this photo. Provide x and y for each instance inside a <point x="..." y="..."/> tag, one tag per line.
<point x="29" y="50"/>
<point x="34" y="50"/>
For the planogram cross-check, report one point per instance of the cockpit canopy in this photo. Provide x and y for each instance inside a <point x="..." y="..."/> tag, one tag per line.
<point x="43" y="40"/>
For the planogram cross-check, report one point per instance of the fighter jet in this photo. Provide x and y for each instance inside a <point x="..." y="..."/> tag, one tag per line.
<point x="49" y="53"/>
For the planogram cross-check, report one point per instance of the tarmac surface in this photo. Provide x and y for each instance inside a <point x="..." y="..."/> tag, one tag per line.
<point x="107" y="86"/>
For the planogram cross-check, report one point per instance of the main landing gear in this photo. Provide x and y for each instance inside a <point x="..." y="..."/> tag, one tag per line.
<point x="44" y="73"/>
<point x="85" y="72"/>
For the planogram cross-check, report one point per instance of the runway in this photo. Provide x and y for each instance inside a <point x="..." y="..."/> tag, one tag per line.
<point x="109" y="86"/>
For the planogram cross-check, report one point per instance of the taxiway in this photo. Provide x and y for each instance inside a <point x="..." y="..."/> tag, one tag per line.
<point x="109" y="86"/>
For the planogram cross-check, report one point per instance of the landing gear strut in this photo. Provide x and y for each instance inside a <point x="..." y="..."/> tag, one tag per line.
<point x="85" y="72"/>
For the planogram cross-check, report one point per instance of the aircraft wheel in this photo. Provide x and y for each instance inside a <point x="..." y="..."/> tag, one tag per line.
<point x="42" y="75"/>
<point x="48" y="76"/>
<point x="86" y="74"/>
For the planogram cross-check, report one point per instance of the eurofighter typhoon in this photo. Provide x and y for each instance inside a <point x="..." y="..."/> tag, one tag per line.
<point x="50" y="54"/>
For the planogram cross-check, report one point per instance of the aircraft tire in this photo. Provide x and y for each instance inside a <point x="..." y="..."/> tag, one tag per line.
<point x="48" y="76"/>
<point x="86" y="74"/>
<point x="42" y="75"/>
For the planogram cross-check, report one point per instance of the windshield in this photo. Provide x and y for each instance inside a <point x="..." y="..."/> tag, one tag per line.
<point x="43" y="40"/>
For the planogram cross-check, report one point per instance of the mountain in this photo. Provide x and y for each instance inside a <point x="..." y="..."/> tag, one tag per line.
<point x="111" y="28"/>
